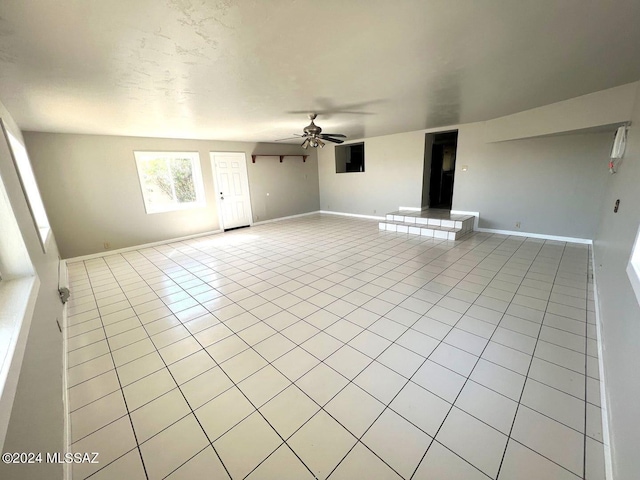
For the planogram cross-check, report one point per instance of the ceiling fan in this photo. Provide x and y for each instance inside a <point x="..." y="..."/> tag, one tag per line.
<point x="314" y="137"/>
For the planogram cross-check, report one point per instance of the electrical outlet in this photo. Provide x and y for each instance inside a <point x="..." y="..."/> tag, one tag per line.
<point x="107" y="245"/>
<point x="375" y="211"/>
<point x="518" y="225"/>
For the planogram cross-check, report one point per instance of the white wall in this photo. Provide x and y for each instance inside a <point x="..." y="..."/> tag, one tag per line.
<point x="283" y="189"/>
<point x="620" y="312"/>
<point x="392" y="176"/>
<point x="551" y="185"/>
<point x="92" y="194"/>
<point x="36" y="423"/>
<point x="540" y="167"/>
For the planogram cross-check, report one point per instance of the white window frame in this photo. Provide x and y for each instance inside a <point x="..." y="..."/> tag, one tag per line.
<point x="29" y="186"/>
<point x="19" y="288"/>
<point x="198" y="184"/>
<point x="633" y="267"/>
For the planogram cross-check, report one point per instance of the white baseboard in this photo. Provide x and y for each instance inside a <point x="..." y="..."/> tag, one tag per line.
<point x="586" y="241"/>
<point x="66" y="424"/>
<point x="606" y="436"/>
<point x="410" y="209"/>
<point x="357" y="215"/>
<point x="173" y="240"/>
<point x="475" y="214"/>
<point x="286" y="218"/>
<point x="138" y="247"/>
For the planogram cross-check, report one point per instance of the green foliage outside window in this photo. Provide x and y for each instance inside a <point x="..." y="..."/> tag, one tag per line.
<point x="174" y="177"/>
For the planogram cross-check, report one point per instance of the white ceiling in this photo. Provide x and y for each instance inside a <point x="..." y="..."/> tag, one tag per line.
<point x="237" y="69"/>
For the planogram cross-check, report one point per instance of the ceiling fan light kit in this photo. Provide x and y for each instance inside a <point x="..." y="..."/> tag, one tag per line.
<point x="313" y="136"/>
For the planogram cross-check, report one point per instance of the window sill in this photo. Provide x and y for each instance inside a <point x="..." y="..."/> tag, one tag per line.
<point x="17" y="302"/>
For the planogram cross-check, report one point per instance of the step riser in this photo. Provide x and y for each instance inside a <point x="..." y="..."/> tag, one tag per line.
<point x="465" y="225"/>
<point x="424" y="231"/>
<point x="436" y="223"/>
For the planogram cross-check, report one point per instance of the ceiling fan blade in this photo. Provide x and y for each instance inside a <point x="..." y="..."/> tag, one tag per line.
<point x="333" y="135"/>
<point x="334" y="140"/>
<point x="290" y="138"/>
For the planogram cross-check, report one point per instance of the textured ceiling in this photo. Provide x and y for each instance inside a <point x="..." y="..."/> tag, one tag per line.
<point x="237" y="70"/>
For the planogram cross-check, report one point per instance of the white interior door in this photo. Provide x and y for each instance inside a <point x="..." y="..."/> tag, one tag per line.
<point x="232" y="183"/>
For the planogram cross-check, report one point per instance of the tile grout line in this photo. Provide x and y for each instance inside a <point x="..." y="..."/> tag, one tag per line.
<point x="122" y="390"/>
<point x="468" y="377"/>
<point x="370" y="266"/>
<point x="193" y="411"/>
<point x="312" y="325"/>
<point x="293" y="383"/>
<point x="124" y="400"/>
<point x="524" y="386"/>
<point x="387" y="406"/>
<point x="275" y="286"/>
<point x="298" y="387"/>
<point x="405" y="262"/>
<point x="350" y="381"/>
<point x="345" y="319"/>
<point x="525" y="380"/>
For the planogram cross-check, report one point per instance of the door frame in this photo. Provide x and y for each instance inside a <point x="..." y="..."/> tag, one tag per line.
<point x="242" y="156"/>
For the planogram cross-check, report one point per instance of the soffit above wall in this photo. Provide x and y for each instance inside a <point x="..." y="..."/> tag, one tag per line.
<point x="596" y="112"/>
<point x="233" y="70"/>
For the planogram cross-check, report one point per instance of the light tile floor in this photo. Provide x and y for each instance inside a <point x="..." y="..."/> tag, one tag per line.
<point x="323" y="347"/>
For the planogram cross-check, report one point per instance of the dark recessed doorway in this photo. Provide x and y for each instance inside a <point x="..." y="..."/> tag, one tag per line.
<point x="440" y="161"/>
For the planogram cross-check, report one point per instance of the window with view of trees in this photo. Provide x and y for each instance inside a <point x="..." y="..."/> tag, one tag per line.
<point x="170" y="180"/>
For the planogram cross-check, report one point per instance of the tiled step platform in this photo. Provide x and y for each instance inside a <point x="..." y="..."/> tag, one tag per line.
<point x="429" y="222"/>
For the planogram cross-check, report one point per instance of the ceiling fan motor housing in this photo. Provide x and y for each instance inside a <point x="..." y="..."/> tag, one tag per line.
<point x="312" y="129"/>
<point x="314" y="137"/>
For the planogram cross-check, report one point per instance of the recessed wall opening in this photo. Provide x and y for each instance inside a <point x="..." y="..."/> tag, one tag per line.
<point x="350" y="158"/>
<point x="439" y="169"/>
